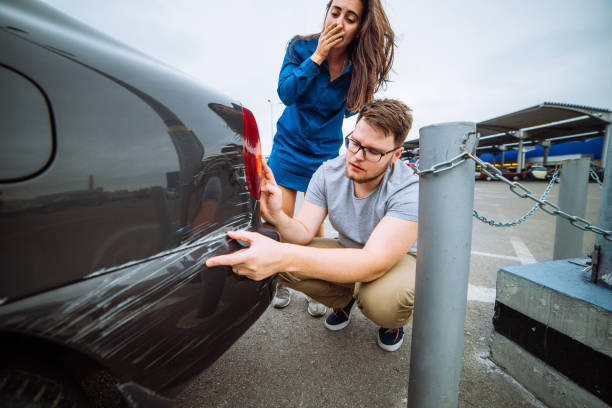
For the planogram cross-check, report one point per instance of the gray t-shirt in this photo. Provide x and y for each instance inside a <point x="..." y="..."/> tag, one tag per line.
<point x="355" y="218"/>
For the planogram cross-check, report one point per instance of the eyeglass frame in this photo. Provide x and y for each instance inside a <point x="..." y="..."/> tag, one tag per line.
<point x="348" y="139"/>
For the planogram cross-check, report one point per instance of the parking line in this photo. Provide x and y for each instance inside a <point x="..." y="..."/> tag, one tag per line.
<point x="522" y="251"/>
<point x="481" y="294"/>
<point x="512" y="258"/>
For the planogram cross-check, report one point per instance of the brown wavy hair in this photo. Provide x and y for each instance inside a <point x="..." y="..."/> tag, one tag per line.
<point x="371" y="53"/>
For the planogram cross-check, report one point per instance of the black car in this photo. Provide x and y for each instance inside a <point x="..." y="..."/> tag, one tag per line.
<point x="119" y="177"/>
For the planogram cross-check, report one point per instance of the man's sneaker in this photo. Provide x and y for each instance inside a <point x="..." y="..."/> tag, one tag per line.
<point x="315" y="309"/>
<point x="338" y="319"/>
<point x="390" y="339"/>
<point x="282" y="297"/>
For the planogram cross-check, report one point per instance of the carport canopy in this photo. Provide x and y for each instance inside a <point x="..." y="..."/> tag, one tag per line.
<point x="546" y="124"/>
<point x="547" y="120"/>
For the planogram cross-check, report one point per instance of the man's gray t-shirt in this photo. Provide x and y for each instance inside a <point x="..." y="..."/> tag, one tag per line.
<point x="355" y="218"/>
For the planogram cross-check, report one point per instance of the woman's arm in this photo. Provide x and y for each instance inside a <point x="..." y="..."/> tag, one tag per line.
<point x="295" y="76"/>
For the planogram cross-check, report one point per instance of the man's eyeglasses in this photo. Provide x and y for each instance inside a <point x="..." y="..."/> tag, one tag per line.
<point x="369" y="154"/>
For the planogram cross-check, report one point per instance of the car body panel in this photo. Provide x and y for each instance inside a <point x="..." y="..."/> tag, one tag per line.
<point x="537" y="173"/>
<point x="103" y="248"/>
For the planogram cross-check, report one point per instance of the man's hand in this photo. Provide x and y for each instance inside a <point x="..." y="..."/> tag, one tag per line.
<point x="262" y="259"/>
<point x="271" y="198"/>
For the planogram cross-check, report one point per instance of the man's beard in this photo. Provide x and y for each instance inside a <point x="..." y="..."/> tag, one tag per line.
<point x="366" y="178"/>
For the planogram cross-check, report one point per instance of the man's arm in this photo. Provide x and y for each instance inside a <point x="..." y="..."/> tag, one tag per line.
<point x="389" y="242"/>
<point x="298" y="230"/>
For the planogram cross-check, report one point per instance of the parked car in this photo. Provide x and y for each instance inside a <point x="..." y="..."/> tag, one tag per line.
<point x="480" y="175"/>
<point x="119" y="177"/>
<point x="536" y="173"/>
<point x="512" y="174"/>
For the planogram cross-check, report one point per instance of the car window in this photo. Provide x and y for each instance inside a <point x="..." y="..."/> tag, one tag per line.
<point x="25" y="128"/>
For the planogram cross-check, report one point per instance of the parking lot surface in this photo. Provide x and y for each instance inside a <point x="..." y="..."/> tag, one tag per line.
<point x="289" y="359"/>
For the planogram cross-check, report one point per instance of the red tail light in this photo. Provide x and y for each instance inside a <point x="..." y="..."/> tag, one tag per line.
<point x="252" y="153"/>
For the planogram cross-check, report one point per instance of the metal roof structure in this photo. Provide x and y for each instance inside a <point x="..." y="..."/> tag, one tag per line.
<point x="547" y="123"/>
<point x="548" y="120"/>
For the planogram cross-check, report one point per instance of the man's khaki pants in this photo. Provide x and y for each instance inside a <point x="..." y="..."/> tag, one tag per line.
<point x="388" y="301"/>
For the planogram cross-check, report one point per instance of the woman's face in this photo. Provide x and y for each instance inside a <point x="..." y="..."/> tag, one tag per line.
<point x="346" y="14"/>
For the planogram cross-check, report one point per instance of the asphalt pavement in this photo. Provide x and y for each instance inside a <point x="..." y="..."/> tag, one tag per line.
<point x="289" y="359"/>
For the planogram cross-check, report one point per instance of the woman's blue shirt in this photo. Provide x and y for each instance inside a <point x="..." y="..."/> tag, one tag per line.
<point x="309" y="131"/>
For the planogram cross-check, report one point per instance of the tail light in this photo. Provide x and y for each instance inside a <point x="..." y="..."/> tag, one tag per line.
<point x="252" y="153"/>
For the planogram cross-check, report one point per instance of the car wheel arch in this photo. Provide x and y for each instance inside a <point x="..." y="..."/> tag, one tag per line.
<point x="61" y="364"/>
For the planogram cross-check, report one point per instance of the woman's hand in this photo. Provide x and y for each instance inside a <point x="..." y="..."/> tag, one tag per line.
<point x="332" y="35"/>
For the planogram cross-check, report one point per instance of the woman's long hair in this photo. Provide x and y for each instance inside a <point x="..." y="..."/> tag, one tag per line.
<point x="371" y="53"/>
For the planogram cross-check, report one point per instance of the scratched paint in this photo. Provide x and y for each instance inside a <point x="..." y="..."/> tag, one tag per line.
<point x="134" y="313"/>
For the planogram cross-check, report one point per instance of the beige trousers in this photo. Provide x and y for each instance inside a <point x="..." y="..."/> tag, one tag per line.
<point x="388" y="301"/>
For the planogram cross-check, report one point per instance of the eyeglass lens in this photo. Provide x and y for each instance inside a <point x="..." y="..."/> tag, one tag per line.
<point x="368" y="154"/>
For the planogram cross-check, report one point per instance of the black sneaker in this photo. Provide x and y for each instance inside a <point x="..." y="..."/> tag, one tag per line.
<point x="390" y="339"/>
<point x="339" y="318"/>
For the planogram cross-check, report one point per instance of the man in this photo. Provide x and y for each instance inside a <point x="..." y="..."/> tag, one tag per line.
<point x="372" y="200"/>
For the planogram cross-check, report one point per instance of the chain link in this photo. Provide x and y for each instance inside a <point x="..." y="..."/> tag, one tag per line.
<point x="452" y="163"/>
<point x="577" y="222"/>
<point x="514" y="186"/>
<point x="493" y="223"/>
<point x="595" y="177"/>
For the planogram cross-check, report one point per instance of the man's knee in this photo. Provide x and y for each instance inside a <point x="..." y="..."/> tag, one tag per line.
<point x="389" y="300"/>
<point x="390" y="309"/>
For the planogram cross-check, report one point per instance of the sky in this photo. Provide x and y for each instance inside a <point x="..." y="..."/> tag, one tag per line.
<point x="468" y="60"/>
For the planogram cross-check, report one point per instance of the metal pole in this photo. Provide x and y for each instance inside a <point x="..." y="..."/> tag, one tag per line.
<point x="519" y="158"/>
<point x="605" y="217"/>
<point x="446" y="201"/>
<point x="572" y="199"/>
<point x="605" y="150"/>
<point x="546" y="145"/>
<point x="271" y="120"/>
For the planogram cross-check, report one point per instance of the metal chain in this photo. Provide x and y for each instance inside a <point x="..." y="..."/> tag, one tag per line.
<point x="524" y="217"/>
<point x="577" y="222"/>
<point x="595" y="177"/>
<point x="495" y="173"/>
<point x="452" y="163"/>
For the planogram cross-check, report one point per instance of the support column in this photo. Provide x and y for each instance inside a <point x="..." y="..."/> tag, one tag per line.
<point x="519" y="157"/>
<point x="605" y="150"/>
<point x="503" y="149"/>
<point x="573" y="188"/>
<point x="446" y="202"/>
<point x="605" y="215"/>
<point x="546" y="145"/>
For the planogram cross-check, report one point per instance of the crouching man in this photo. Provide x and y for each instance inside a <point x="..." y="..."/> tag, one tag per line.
<point x="371" y="198"/>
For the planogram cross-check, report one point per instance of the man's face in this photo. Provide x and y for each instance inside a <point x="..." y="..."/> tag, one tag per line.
<point x="358" y="168"/>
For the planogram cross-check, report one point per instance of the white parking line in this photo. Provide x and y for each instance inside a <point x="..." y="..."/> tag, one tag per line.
<point x="512" y="258"/>
<point x="481" y="294"/>
<point x="522" y="251"/>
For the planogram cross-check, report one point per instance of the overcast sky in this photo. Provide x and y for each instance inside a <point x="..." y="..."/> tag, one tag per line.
<point x="465" y="60"/>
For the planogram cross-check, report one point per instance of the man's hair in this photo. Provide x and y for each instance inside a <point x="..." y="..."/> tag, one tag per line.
<point x="390" y="115"/>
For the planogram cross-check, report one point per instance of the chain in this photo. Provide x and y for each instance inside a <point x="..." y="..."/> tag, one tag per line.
<point x="545" y="205"/>
<point x="529" y="213"/>
<point x="452" y="163"/>
<point x="517" y="188"/>
<point x="595" y="177"/>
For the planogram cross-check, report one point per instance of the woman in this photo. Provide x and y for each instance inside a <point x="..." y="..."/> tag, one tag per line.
<point x="325" y="77"/>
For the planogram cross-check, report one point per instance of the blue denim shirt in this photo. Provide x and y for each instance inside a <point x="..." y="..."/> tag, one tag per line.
<point x="309" y="131"/>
